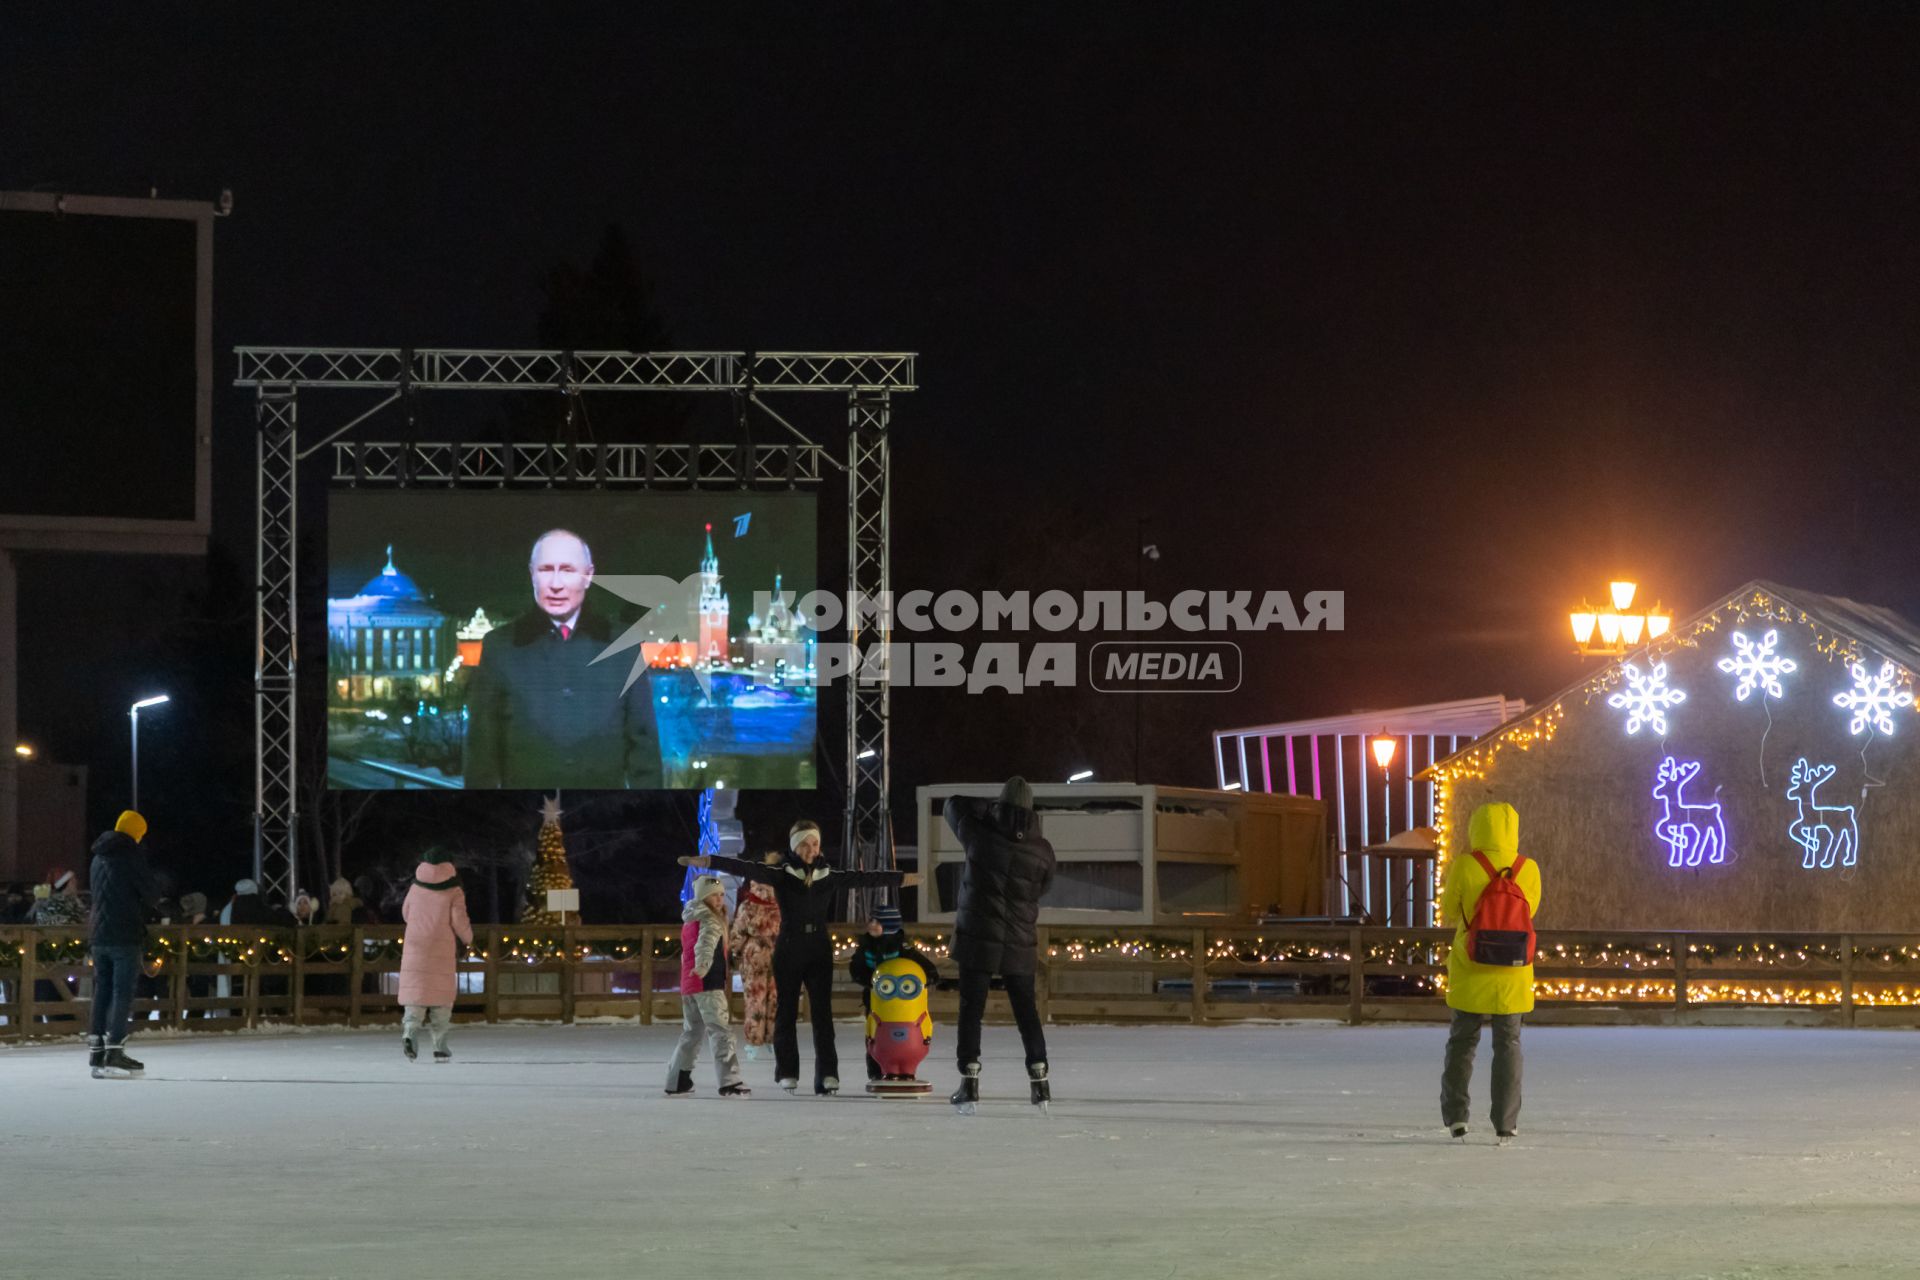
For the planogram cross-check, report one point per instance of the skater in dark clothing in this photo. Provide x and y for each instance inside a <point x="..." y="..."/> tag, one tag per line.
<point x="805" y="887"/>
<point x="1009" y="869"/>
<point x="885" y="940"/>
<point x="122" y="897"/>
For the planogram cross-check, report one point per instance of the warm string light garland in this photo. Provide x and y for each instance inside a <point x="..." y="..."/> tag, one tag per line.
<point x="1631" y="970"/>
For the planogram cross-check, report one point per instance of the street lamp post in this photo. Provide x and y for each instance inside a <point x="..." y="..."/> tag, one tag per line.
<point x="1619" y="631"/>
<point x="1383" y="756"/>
<point x="133" y="713"/>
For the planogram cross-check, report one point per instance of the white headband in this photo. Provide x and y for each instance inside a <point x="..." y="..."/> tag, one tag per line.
<point x="793" y="841"/>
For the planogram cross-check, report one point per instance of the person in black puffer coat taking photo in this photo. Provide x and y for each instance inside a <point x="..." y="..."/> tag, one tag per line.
<point x="1009" y="869"/>
<point x="122" y="894"/>
<point x="805" y="887"/>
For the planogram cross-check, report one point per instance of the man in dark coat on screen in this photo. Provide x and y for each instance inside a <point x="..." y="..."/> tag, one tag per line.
<point x="542" y="713"/>
<point x="1009" y="869"/>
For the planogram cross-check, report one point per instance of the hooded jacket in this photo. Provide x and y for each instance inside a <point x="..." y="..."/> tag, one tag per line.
<point x="122" y="892"/>
<point x="1009" y="869"/>
<point x="435" y="910"/>
<point x="1494" y="830"/>
<point x="703" y="949"/>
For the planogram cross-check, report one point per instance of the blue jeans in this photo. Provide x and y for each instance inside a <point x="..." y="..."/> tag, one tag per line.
<point x="116" y="971"/>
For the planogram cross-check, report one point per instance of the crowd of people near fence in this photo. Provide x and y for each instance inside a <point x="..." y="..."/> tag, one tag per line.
<point x="57" y="899"/>
<point x="782" y="931"/>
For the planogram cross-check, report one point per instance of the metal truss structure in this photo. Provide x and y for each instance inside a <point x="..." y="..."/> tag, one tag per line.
<point x="278" y="375"/>
<point x="649" y="466"/>
<point x="869" y="828"/>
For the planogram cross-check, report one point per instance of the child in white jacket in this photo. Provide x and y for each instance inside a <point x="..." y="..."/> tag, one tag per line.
<point x="703" y="993"/>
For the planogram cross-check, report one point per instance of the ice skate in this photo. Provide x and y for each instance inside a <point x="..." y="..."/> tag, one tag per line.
<point x="407" y="1047"/>
<point x="96" y="1055"/>
<point x="1458" y="1132"/>
<point x="1505" y="1137"/>
<point x="1040" y="1086"/>
<point x="682" y="1085"/>
<point x="441" y="1056"/>
<point x="828" y="1087"/>
<point x="118" y="1066"/>
<point x="735" y="1091"/>
<point x="966" y="1099"/>
<point x="791" y="1086"/>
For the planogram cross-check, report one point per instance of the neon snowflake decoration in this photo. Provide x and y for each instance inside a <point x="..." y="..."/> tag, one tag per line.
<point x="1646" y="698"/>
<point x="1756" y="665"/>
<point x="1872" y="699"/>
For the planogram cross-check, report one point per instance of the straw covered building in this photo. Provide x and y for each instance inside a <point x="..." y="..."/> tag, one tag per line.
<point x="1757" y="768"/>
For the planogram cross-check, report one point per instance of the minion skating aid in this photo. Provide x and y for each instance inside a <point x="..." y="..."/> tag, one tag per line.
<point x="899" y="1028"/>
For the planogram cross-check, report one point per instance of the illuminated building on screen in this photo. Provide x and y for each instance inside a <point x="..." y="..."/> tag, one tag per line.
<point x="385" y="636"/>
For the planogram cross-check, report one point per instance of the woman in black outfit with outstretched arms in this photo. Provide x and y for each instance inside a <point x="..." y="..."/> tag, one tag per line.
<point x="805" y="887"/>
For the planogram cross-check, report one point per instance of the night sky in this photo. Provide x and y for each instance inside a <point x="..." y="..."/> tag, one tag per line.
<point x="1459" y="310"/>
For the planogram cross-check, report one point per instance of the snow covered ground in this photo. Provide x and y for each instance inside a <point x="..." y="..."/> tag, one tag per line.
<point x="1297" y="1150"/>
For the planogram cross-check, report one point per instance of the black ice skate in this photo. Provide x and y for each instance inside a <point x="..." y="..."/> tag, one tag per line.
<point x="682" y="1085"/>
<point x="1458" y="1132"/>
<point x="735" y="1091"/>
<point x="96" y="1054"/>
<point x="118" y="1066"/>
<point x="966" y="1099"/>
<point x="443" y="1055"/>
<point x="406" y="1047"/>
<point x="1042" y="1090"/>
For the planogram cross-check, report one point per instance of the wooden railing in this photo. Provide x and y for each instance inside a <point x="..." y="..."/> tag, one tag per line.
<point x="224" y="977"/>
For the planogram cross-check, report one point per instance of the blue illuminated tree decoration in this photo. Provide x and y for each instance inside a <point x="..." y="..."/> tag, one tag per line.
<point x="709" y="844"/>
<point x="1757" y="665"/>
<point x="1825" y="831"/>
<point x="1647" y="698"/>
<point x="1872" y="699"/>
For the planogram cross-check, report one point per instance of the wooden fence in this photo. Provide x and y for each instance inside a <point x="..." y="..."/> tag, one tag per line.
<point x="224" y="977"/>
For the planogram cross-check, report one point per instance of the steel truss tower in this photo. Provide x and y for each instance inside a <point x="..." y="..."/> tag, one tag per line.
<point x="278" y="375"/>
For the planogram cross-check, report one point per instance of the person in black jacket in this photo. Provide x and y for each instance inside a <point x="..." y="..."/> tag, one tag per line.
<point x="1009" y="869"/>
<point x="805" y="887"/>
<point x="122" y="896"/>
<point x="544" y="711"/>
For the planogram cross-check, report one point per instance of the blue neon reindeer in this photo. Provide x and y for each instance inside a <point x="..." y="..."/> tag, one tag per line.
<point x="1693" y="832"/>
<point x="1832" y="831"/>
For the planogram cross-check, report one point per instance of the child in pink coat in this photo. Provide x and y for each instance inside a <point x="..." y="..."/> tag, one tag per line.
<point x="435" y="910"/>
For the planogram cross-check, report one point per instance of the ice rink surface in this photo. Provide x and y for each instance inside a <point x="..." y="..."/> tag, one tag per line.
<point x="1293" y="1150"/>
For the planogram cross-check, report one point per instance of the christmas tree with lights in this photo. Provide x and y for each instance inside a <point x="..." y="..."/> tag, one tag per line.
<point x="549" y="868"/>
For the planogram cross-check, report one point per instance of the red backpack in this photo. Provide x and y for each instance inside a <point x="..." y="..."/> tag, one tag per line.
<point x="1501" y="930"/>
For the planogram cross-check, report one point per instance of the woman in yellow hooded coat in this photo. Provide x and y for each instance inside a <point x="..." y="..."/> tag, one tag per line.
<point x="1479" y="993"/>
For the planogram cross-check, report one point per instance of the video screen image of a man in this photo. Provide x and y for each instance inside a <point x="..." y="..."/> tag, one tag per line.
<point x="542" y="713"/>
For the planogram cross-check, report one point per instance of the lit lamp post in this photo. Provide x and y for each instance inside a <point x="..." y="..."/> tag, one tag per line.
<point x="1611" y="633"/>
<point x="133" y="713"/>
<point x="1383" y="756"/>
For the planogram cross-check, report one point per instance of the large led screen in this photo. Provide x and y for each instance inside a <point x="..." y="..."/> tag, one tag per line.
<point x="580" y="640"/>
